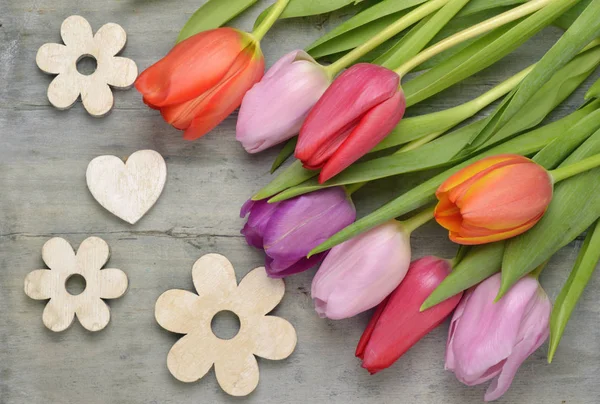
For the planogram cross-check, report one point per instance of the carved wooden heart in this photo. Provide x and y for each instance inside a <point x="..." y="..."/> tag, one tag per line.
<point x="127" y="190"/>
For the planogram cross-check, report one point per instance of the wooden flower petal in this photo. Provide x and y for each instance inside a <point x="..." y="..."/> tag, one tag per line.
<point x="111" y="283"/>
<point x="92" y="254"/>
<point x="58" y="316"/>
<point x="62" y="93"/>
<point x="76" y="32"/>
<point x="39" y="284"/>
<point x="53" y="58"/>
<point x="192" y="356"/>
<point x="96" y="96"/>
<point x="110" y="38"/>
<point x="178" y="311"/>
<point x="275" y="338"/>
<point x="121" y="72"/>
<point x="237" y="373"/>
<point x="258" y="294"/>
<point x="214" y="277"/>
<point x="93" y="314"/>
<point x="58" y="254"/>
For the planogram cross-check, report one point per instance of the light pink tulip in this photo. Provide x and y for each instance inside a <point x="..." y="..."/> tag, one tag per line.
<point x="274" y="109"/>
<point x="359" y="273"/>
<point x="490" y="340"/>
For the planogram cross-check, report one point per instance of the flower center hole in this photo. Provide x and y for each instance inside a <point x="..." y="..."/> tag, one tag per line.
<point x="87" y="65"/>
<point x="225" y="324"/>
<point x="75" y="284"/>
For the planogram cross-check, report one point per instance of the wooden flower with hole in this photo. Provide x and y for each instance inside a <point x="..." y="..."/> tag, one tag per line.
<point x="188" y="313"/>
<point x="91" y="310"/>
<point x="112" y="70"/>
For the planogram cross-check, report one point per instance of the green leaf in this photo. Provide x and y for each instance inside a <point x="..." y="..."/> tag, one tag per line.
<point x="478" y="264"/>
<point x="356" y="37"/>
<point x="304" y="8"/>
<point x="418" y="37"/>
<point x="567" y="18"/>
<point x="575" y="206"/>
<point x="476" y="6"/>
<point x="583" y="31"/>
<point x="562" y="84"/>
<point x="482" y="53"/>
<point x="374" y="13"/>
<point x="212" y="14"/>
<point x="594" y="91"/>
<point x="419" y="196"/>
<point x="293" y="175"/>
<point x="285" y="153"/>
<point x="586" y="263"/>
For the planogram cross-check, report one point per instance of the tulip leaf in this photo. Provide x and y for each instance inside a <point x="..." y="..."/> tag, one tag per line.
<point x="285" y="153"/>
<point x="594" y="91"/>
<point x="424" y="193"/>
<point x="575" y="206"/>
<point x="482" y="53"/>
<point x="370" y="15"/>
<point x="293" y="175"/>
<point x="304" y="8"/>
<point x="213" y="14"/>
<point x="584" y="30"/>
<point x="418" y="37"/>
<point x="586" y="263"/>
<point x="478" y="264"/>
<point x="567" y="18"/>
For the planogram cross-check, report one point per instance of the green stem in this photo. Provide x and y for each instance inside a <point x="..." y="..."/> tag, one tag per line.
<point x="565" y="172"/>
<point x="472" y="32"/>
<point x="418" y="220"/>
<point x="270" y="19"/>
<point x="406" y="21"/>
<point x="536" y="272"/>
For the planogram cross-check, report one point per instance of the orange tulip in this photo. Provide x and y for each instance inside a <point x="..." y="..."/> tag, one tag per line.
<point x="203" y="79"/>
<point x="493" y="199"/>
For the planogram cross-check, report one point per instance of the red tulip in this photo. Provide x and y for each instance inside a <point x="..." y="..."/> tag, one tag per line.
<point x="496" y="198"/>
<point x="355" y="113"/>
<point x="203" y="79"/>
<point x="398" y="323"/>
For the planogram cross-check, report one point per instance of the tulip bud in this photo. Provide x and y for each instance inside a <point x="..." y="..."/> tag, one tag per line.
<point x="398" y="323"/>
<point x="203" y="79"/>
<point x="490" y="340"/>
<point x="356" y="112"/>
<point x="288" y="230"/>
<point x="493" y="199"/>
<point x="275" y="108"/>
<point x="359" y="273"/>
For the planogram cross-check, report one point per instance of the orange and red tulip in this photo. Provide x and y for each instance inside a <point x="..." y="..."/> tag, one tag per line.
<point x="493" y="199"/>
<point x="203" y="79"/>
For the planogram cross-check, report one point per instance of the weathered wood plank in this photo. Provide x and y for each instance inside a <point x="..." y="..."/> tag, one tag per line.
<point x="43" y="157"/>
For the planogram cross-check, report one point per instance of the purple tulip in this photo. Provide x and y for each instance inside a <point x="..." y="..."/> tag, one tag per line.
<point x="274" y="109"/>
<point x="288" y="230"/>
<point x="490" y="340"/>
<point x="359" y="273"/>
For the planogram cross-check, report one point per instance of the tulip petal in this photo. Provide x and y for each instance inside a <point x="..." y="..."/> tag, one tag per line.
<point x="479" y="169"/>
<point x="283" y="268"/>
<point x="354" y="93"/>
<point x="260" y="214"/>
<point x="470" y="236"/>
<point x="192" y="67"/>
<point x="372" y="128"/>
<point x="366" y="336"/>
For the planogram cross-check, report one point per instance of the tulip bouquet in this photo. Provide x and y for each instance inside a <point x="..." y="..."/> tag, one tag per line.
<point x="509" y="191"/>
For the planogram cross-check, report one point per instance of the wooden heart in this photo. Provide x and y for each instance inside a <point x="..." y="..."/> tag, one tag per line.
<point x="127" y="190"/>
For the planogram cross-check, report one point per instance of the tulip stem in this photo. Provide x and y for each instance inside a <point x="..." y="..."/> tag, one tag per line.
<point x="562" y="173"/>
<point x="536" y="272"/>
<point x="472" y="32"/>
<point x="418" y="220"/>
<point x="400" y="25"/>
<point x="270" y="19"/>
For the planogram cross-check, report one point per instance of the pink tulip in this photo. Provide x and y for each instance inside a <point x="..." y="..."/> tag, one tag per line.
<point x="490" y="340"/>
<point x="359" y="273"/>
<point x="275" y="108"/>
<point x="357" y="111"/>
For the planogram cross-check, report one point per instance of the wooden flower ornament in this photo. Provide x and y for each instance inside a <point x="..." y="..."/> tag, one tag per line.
<point x="112" y="70"/>
<point x="91" y="310"/>
<point x="188" y="313"/>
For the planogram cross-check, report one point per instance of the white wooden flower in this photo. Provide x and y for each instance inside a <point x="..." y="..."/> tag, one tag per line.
<point x="91" y="310"/>
<point x="112" y="70"/>
<point x="188" y="313"/>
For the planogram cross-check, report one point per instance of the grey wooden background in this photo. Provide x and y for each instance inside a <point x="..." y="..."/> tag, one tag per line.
<point x="43" y="158"/>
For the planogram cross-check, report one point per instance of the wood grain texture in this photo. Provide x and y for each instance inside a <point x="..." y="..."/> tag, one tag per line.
<point x="91" y="311"/>
<point x="43" y="158"/>
<point x="127" y="190"/>
<point x="79" y="43"/>
<point x="235" y="365"/>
